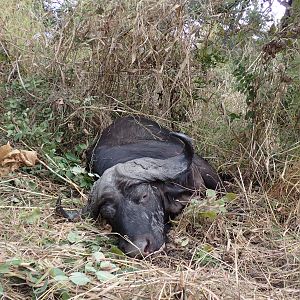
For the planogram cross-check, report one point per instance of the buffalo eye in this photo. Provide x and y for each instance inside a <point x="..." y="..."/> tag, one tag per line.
<point x="144" y="198"/>
<point x="108" y="210"/>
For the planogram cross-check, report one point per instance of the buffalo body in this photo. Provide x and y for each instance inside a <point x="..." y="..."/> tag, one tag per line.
<point x="147" y="175"/>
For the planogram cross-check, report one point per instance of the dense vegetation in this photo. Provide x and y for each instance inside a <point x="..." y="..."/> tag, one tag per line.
<point x="222" y="71"/>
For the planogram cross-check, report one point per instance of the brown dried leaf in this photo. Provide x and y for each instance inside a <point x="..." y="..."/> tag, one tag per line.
<point x="5" y="150"/>
<point x="29" y="158"/>
<point x="12" y="159"/>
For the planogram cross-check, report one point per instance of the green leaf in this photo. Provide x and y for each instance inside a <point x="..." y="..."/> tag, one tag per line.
<point x="223" y="209"/>
<point x="73" y="237"/>
<point x="221" y="201"/>
<point x="208" y="248"/>
<point x="41" y="289"/>
<point x="81" y="147"/>
<point x="184" y="242"/>
<point x="98" y="256"/>
<point x="32" y="217"/>
<point x="77" y="170"/>
<point x="211" y="194"/>
<point x="69" y="174"/>
<point x="15" y="261"/>
<point x="56" y="272"/>
<point x="1" y="290"/>
<point x="204" y="257"/>
<point x="60" y="278"/>
<point x="117" y="251"/>
<point x="234" y="116"/>
<point x="65" y="295"/>
<point x="72" y="157"/>
<point x="4" y="268"/>
<point x="89" y="268"/>
<point x="79" y="278"/>
<point x="250" y="114"/>
<point x="3" y="57"/>
<point x="107" y="266"/>
<point x="35" y="278"/>
<point x="201" y="254"/>
<point x="208" y="214"/>
<point x="104" y="275"/>
<point x="230" y="196"/>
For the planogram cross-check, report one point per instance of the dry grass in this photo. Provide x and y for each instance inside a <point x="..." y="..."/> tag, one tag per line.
<point x="242" y="254"/>
<point x="107" y="55"/>
<point x="136" y="57"/>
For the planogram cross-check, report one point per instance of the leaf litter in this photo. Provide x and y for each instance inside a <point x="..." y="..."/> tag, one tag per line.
<point x="12" y="159"/>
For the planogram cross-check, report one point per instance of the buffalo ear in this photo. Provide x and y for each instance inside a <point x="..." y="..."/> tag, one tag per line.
<point x="175" y="198"/>
<point x="173" y="207"/>
<point x="209" y="176"/>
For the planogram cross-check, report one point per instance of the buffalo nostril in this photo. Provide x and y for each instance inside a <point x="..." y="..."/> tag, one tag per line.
<point x="147" y="247"/>
<point x="139" y="247"/>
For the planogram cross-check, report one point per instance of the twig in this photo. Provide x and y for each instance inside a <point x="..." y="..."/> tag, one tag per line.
<point x="23" y="207"/>
<point x="24" y="190"/>
<point x="66" y="179"/>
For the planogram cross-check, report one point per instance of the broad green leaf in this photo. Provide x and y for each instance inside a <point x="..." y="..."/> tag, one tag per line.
<point x="107" y="266"/>
<point x="211" y="194"/>
<point x="56" y="272"/>
<point x="4" y="268"/>
<point x="234" y="116"/>
<point x="79" y="278"/>
<point x="60" y="278"/>
<point x="104" y="275"/>
<point x="69" y="174"/>
<point x="204" y="257"/>
<point x="98" y="256"/>
<point x="81" y="147"/>
<point x="15" y="261"/>
<point x="73" y="237"/>
<point x="89" y="268"/>
<point x="201" y="253"/>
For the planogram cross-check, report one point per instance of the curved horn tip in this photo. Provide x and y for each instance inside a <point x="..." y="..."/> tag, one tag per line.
<point x="188" y="145"/>
<point x="182" y="136"/>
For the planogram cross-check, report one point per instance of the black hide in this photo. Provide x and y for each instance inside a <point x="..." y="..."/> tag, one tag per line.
<point x="148" y="174"/>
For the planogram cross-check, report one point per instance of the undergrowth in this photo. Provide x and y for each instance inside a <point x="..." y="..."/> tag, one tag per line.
<point x="207" y="68"/>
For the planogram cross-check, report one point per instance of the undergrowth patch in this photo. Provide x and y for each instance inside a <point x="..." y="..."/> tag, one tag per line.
<point x="235" y="242"/>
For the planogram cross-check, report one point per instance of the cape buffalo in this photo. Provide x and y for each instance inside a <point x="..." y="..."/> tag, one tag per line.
<point x="148" y="174"/>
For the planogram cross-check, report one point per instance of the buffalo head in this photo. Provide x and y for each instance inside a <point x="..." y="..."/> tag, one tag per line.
<point x="132" y="197"/>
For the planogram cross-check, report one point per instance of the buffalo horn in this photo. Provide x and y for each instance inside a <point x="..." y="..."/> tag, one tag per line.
<point x="150" y="169"/>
